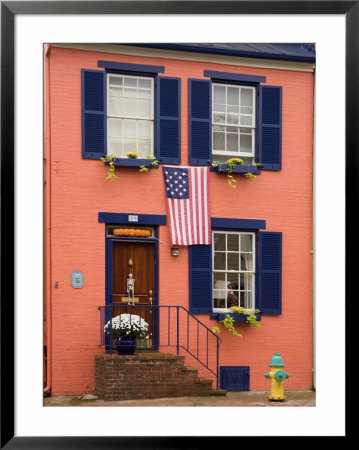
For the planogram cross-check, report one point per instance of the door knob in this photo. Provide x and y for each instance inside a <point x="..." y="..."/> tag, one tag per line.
<point x="150" y="292"/>
<point x="150" y="299"/>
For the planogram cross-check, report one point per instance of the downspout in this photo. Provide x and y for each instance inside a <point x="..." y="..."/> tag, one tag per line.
<point x="47" y="219"/>
<point x="314" y="245"/>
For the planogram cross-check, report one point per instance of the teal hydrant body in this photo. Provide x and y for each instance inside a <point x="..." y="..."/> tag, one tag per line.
<point x="277" y="375"/>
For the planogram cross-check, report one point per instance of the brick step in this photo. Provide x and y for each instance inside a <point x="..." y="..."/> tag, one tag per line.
<point x="148" y="375"/>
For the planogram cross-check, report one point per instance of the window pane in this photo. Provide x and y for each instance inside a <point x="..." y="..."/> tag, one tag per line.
<point x="130" y="145"/>
<point x="143" y="93"/>
<point x="219" y="94"/>
<point x="232" y="279"/>
<point x="218" y="141"/>
<point x="220" y="128"/>
<point x="144" y="128"/>
<point x="129" y="128"/>
<point x="219" y="108"/>
<point x="233" y="242"/>
<point x="241" y="299"/>
<point x="115" y="106"/>
<point x="219" y="280"/>
<point x="246" y="97"/>
<point x="246" y="120"/>
<point x="130" y="82"/>
<point x="246" y="261"/>
<point x="246" y="143"/>
<point x="115" y="127"/>
<point x="247" y="111"/>
<point x="232" y="119"/>
<point x="219" y="261"/>
<point x="144" y="147"/>
<point x="232" y="142"/>
<point x="247" y="278"/>
<point x="248" y="300"/>
<point x="145" y="108"/>
<point x="218" y="301"/>
<point x="130" y="107"/>
<point x="232" y="96"/>
<point x="219" y="241"/>
<point x="232" y="261"/>
<point x="116" y="92"/>
<point x="219" y="118"/>
<point x="129" y="92"/>
<point x="144" y="84"/>
<point x="232" y="299"/>
<point x="116" y="81"/>
<point x="115" y="146"/>
<point x="246" y="243"/>
<point x="232" y="109"/>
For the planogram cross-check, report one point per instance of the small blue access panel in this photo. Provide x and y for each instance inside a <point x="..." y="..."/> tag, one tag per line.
<point x="234" y="378"/>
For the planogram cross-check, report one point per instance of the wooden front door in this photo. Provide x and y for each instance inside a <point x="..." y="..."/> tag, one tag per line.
<point x="137" y="258"/>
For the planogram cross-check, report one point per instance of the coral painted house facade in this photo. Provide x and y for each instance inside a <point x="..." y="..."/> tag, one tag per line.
<point x="187" y="106"/>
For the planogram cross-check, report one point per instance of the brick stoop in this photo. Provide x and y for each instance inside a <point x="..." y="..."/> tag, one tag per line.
<point x="148" y="375"/>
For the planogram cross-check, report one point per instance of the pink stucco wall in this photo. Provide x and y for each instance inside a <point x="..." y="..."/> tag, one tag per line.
<point x="77" y="189"/>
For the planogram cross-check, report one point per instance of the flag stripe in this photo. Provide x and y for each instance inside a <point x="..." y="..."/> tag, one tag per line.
<point x="188" y="204"/>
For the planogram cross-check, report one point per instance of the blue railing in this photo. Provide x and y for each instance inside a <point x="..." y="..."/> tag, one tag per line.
<point x="177" y="327"/>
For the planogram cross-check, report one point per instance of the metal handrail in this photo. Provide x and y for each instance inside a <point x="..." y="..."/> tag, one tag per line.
<point x="182" y="329"/>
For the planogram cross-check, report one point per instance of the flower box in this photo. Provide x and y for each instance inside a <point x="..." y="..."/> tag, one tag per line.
<point x="134" y="162"/>
<point x="240" y="168"/>
<point x="236" y="317"/>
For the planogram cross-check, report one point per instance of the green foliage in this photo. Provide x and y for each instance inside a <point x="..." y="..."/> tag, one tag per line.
<point x="111" y="166"/>
<point x="249" y="175"/>
<point x="228" y="323"/>
<point x="231" y="164"/>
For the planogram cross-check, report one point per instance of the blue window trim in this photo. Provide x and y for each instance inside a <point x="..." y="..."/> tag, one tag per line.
<point x="238" y="224"/>
<point x="239" y="77"/>
<point x="122" y="218"/>
<point x="143" y="68"/>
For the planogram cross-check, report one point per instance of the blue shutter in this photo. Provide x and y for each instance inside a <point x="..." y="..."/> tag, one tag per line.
<point x="234" y="378"/>
<point x="200" y="279"/>
<point x="200" y="121"/>
<point x="168" y="120"/>
<point x="270" y="129"/>
<point x="270" y="272"/>
<point x="93" y="89"/>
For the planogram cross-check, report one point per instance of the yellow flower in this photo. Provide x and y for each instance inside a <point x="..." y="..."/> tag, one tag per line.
<point x="132" y="155"/>
<point x="235" y="161"/>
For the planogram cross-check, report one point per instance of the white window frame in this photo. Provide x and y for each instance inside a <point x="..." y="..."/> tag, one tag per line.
<point x="251" y="307"/>
<point x="123" y="117"/>
<point x="252" y="128"/>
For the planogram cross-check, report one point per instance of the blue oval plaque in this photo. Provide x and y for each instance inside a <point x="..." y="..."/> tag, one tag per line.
<point x="77" y="279"/>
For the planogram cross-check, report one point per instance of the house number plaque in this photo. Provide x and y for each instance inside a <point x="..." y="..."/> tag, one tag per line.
<point x="77" y="279"/>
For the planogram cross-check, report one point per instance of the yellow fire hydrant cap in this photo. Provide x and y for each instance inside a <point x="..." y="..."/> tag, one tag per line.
<point x="276" y="361"/>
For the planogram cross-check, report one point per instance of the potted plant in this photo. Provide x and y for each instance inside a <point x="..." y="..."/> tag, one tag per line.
<point x="125" y="329"/>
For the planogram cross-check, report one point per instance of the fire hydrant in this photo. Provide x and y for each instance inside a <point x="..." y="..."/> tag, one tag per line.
<point x="277" y="376"/>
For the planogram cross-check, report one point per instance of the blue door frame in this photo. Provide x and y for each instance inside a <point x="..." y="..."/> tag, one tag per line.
<point x="108" y="269"/>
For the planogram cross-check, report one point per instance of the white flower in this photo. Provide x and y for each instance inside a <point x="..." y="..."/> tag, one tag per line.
<point x="127" y="325"/>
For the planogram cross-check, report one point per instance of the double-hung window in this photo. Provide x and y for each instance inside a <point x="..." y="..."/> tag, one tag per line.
<point x="233" y="122"/>
<point x="242" y="267"/>
<point x="234" y="115"/>
<point x="233" y="270"/>
<point x="130" y="108"/>
<point x="130" y="115"/>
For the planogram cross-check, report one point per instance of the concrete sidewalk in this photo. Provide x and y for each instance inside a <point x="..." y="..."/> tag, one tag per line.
<point x="293" y="398"/>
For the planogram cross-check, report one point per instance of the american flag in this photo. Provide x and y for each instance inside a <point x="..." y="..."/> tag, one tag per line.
<point x="188" y="204"/>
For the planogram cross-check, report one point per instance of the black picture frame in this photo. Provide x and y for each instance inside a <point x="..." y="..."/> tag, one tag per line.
<point x="9" y="10"/>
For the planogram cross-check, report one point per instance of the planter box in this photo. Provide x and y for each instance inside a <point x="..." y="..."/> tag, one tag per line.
<point x="134" y="162"/>
<point x="242" y="168"/>
<point x="236" y="317"/>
